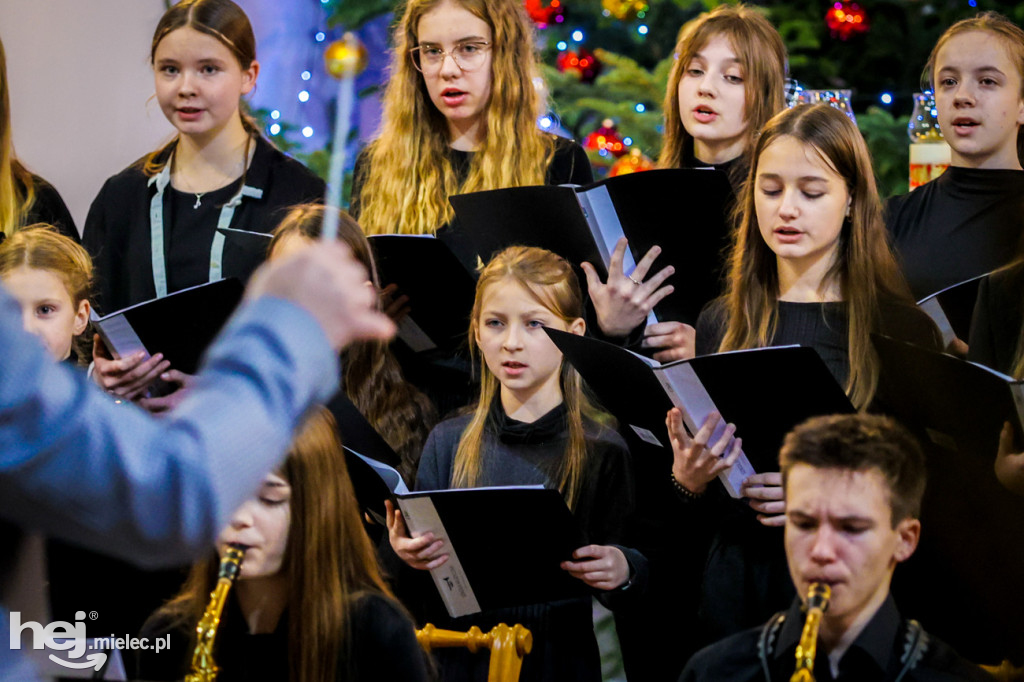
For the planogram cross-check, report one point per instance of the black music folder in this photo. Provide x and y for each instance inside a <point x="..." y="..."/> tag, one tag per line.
<point x="961" y="406"/>
<point x="952" y="309"/>
<point x="439" y="288"/>
<point x="681" y="210"/>
<point x="357" y="435"/>
<point x="765" y="392"/>
<point x="180" y="325"/>
<point x="476" y="524"/>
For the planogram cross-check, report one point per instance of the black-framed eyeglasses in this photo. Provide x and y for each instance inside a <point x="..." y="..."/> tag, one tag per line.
<point x="468" y="56"/>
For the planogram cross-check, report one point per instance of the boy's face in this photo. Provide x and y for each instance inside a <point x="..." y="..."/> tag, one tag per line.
<point x="839" y="531"/>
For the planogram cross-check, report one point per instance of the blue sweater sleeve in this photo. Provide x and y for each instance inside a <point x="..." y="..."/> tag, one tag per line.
<point x="77" y="465"/>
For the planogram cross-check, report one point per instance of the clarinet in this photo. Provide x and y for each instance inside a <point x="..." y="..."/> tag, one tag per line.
<point x="806" y="651"/>
<point x="203" y="667"/>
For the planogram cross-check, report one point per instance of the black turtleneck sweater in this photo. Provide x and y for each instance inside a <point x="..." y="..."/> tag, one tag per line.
<point x="519" y="453"/>
<point x="964" y="223"/>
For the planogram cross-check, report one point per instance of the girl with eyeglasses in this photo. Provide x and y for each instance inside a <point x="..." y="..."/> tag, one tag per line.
<point x="460" y="115"/>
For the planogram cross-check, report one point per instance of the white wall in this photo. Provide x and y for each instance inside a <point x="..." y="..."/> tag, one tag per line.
<point x="80" y="83"/>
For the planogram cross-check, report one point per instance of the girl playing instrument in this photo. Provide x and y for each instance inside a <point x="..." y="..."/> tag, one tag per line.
<point x="533" y="425"/>
<point x="164" y="223"/>
<point x="310" y="603"/>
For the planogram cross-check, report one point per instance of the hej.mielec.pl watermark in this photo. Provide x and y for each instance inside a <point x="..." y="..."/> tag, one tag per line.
<point x="70" y="637"/>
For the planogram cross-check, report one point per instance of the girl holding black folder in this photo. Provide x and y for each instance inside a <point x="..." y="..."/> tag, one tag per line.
<point x="156" y="227"/>
<point x="810" y="266"/>
<point x="533" y="425"/>
<point x="727" y="81"/>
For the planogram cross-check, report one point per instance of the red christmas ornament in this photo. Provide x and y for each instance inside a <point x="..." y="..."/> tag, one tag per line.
<point x="544" y="13"/>
<point x="845" y="19"/>
<point x="583" y="64"/>
<point x="605" y="138"/>
<point x="635" y="162"/>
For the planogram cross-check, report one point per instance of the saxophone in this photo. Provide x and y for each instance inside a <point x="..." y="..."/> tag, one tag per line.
<point x="203" y="667"/>
<point x="806" y="651"/>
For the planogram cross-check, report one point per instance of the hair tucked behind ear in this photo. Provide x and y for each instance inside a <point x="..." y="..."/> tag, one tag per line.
<point x="223" y="20"/>
<point x="549" y="279"/>
<point x="1009" y="35"/>
<point x="865" y="267"/>
<point x="410" y="175"/>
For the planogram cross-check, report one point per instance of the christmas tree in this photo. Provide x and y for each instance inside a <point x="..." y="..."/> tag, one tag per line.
<point x="607" y="62"/>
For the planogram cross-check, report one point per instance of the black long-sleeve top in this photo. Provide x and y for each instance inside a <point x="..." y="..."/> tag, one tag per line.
<point x="118" y="237"/>
<point x="518" y="453"/>
<point x="965" y="223"/>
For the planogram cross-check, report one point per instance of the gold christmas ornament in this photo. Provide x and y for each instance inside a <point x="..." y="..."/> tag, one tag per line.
<point x="624" y="10"/>
<point x="346" y="58"/>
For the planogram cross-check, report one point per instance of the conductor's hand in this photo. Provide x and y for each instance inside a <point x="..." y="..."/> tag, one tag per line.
<point x="676" y="338"/>
<point x="423" y="552"/>
<point x="127" y="377"/>
<point x="694" y="463"/>
<point x="623" y="302"/>
<point x="766" y="497"/>
<point x="326" y="280"/>
<point x="600" y="566"/>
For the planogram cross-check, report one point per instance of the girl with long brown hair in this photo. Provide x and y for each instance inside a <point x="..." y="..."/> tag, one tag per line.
<point x="310" y="603"/>
<point x="810" y="266"/>
<point x="533" y="425"/>
<point x="727" y="80"/>
<point x="164" y="223"/>
<point x="460" y="115"/>
<point x="372" y="378"/>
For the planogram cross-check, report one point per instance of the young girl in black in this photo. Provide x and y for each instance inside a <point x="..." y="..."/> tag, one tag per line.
<point x="810" y="266"/>
<point x="159" y="225"/>
<point x="533" y="425"/>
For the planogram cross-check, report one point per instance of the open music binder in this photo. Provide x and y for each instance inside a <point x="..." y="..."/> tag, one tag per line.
<point x="439" y="288"/>
<point x="680" y="210"/>
<point x="764" y="391"/>
<point x="960" y="405"/>
<point x="952" y="308"/>
<point x="476" y="525"/>
<point x="180" y="325"/>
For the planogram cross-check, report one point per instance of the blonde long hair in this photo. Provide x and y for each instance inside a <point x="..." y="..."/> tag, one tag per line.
<point x="865" y="267"/>
<point x="762" y="56"/>
<point x="17" y="190"/>
<point x="329" y="560"/>
<point x="410" y="175"/>
<point x="549" y="279"/>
